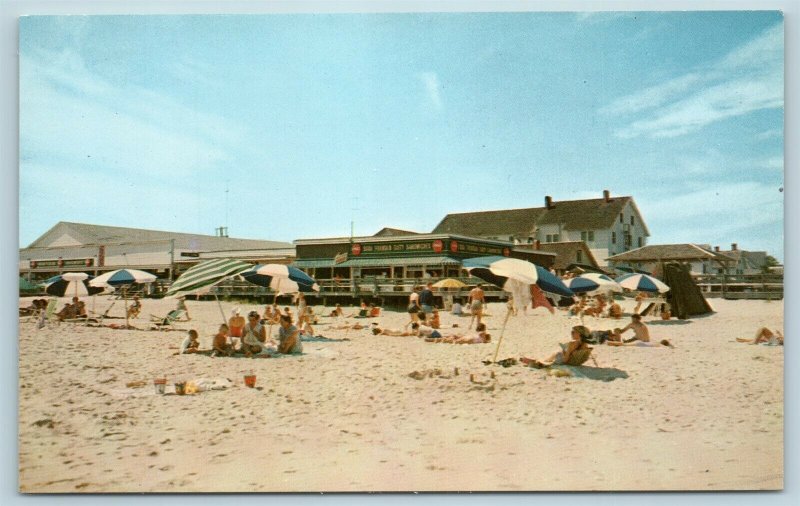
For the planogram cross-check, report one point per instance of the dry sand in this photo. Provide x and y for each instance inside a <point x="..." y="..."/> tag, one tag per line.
<point x="346" y="416"/>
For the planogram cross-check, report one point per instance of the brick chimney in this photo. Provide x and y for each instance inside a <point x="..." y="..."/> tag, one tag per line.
<point x="733" y="247"/>
<point x="607" y="195"/>
<point x="548" y="202"/>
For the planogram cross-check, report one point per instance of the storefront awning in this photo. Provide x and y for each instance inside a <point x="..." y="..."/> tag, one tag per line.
<point x="399" y="262"/>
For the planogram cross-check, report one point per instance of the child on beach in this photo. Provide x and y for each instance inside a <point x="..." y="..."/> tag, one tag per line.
<point x="190" y="344"/>
<point x="220" y="346"/>
<point x="765" y="336"/>
<point x="421" y="330"/>
<point x="640" y="330"/>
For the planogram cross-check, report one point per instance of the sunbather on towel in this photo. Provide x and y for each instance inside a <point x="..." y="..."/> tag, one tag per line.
<point x="377" y="331"/>
<point x="421" y="330"/>
<point x="478" y="337"/>
<point x="580" y="335"/>
<point x="765" y="336"/>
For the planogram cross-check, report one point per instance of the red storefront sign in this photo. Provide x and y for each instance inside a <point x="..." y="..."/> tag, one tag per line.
<point x="438" y="246"/>
<point x="355" y="249"/>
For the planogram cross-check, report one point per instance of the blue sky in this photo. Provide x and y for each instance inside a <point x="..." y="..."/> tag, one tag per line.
<point x="312" y="121"/>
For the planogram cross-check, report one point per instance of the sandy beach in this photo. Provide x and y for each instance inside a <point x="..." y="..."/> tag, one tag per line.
<point x="379" y="413"/>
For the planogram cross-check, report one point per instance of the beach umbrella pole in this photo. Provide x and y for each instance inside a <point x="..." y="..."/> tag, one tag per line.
<point x="220" y="308"/>
<point x="500" y="339"/>
<point x="125" y="298"/>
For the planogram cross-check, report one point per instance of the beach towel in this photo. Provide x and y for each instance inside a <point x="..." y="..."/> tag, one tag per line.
<point x="320" y="339"/>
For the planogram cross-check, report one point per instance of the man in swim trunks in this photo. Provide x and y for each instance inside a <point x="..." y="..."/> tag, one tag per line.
<point x="476" y="301"/>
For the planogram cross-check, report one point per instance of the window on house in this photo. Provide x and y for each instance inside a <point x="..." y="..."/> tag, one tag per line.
<point x="556" y="237"/>
<point x="631" y="219"/>
<point x="579" y="256"/>
<point x="621" y="218"/>
<point x="511" y="238"/>
<point x="530" y="240"/>
<point x="548" y="238"/>
<point x="613" y="238"/>
<point x="639" y="241"/>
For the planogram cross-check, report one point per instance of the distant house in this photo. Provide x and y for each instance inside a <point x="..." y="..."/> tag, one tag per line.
<point x="701" y="260"/>
<point x="744" y="262"/>
<point x="571" y="254"/>
<point x="608" y="225"/>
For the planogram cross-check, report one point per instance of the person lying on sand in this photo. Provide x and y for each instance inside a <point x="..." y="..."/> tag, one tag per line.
<point x="190" y="344"/>
<point x="422" y="330"/>
<point x="580" y="335"/>
<point x="766" y="336"/>
<point x="377" y="331"/>
<point x="478" y="337"/>
<point x="337" y="311"/>
<point x="355" y="326"/>
<point x="663" y="342"/>
<point x="603" y="336"/>
<point x="219" y="345"/>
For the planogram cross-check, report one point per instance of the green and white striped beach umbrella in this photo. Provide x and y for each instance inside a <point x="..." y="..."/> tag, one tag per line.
<point x="199" y="279"/>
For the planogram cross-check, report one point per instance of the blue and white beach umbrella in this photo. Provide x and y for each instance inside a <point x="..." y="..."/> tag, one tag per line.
<point x="123" y="277"/>
<point x="504" y="272"/>
<point x="281" y="278"/>
<point x="592" y="282"/>
<point x="642" y="283"/>
<point x="71" y="284"/>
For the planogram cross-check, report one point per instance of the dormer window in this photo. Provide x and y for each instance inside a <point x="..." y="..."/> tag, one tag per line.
<point x="631" y="219"/>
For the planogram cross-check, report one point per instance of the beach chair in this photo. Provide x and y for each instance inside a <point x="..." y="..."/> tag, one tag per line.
<point x="49" y="313"/>
<point x="168" y="321"/>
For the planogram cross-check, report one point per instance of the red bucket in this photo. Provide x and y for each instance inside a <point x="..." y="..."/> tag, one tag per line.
<point x="250" y="380"/>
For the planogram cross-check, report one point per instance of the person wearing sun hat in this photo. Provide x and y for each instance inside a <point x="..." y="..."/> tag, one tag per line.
<point x="236" y="323"/>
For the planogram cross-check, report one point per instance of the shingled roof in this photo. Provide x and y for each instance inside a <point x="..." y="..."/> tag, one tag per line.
<point x="591" y="214"/>
<point x="587" y="214"/>
<point x="517" y="222"/>
<point x="393" y="232"/>
<point x="663" y="252"/>
<point x="565" y="253"/>
<point x="83" y="233"/>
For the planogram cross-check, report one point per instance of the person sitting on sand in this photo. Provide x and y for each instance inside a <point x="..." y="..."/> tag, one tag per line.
<point x="69" y="311"/>
<point x="615" y="310"/>
<point x="136" y="308"/>
<point x="219" y="345"/>
<point x="597" y="308"/>
<point x="377" y="331"/>
<point x="434" y="322"/>
<point x="337" y="311"/>
<point x="478" y="337"/>
<point x="765" y="336"/>
<point x="577" y="309"/>
<point x="268" y="316"/>
<point x="236" y="323"/>
<point x="421" y="330"/>
<point x="254" y="335"/>
<point x="578" y="344"/>
<point x="287" y="312"/>
<point x="288" y="337"/>
<point x="640" y="330"/>
<point x="190" y="344"/>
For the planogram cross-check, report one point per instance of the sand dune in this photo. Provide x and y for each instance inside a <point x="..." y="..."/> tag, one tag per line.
<point x="390" y="413"/>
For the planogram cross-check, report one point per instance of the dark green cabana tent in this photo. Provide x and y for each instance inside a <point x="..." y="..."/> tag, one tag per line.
<point x="26" y="286"/>
<point x="684" y="296"/>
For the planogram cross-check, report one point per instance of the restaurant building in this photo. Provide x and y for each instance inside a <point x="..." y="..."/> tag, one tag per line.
<point x="389" y="265"/>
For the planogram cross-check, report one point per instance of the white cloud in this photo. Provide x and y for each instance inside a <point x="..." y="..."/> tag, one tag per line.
<point x="748" y="79"/>
<point x="775" y="162"/>
<point x="69" y="114"/>
<point x="773" y="133"/>
<point x="431" y="82"/>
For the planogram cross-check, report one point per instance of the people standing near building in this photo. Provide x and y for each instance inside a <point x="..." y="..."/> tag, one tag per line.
<point x="476" y="301"/>
<point x="413" y="307"/>
<point x="426" y="298"/>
